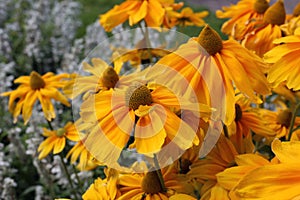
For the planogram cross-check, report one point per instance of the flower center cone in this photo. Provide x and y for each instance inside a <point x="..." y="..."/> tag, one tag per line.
<point x="151" y="183"/>
<point x="275" y="14"/>
<point x="36" y="81"/>
<point x="260" y="6"/>
<point x="110" y="78"/>
<point x="210" y="40"/>
<point x="138" y="96"/>
<point x="284" y="118"/>
<point x="238" y="112"/>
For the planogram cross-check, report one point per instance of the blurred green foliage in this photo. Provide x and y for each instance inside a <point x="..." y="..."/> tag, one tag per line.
<point x="91" y="9"/>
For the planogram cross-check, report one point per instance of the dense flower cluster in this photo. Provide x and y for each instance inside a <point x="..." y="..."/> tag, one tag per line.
<point x="157" y="115"/>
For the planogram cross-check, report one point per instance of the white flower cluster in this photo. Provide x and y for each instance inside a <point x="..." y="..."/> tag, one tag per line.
<point x="7" y="184"/>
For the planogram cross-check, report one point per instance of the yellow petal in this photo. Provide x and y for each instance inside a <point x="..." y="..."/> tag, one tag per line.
<point x="138" y="14"/>
<point x="285" y="70"/>
<point x="59" y="145"/>
<point x="264" y="183"/>
<point x="179" y="131"/>
<point x="149" y="134"/>
<point x="218" y="192"/>
<point x="251" y="160"/>
<point x="155" y="14"/>
<point x="46" y="147"/>
<point x="287" y="152"/>
<point x="29" y="101"/>
<point x="182" y="197"/>
<point x="47" y="107"/>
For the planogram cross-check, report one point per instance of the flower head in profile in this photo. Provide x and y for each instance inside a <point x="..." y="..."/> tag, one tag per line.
<point x="292" y="25"/>
<point x="260" y="39"/>
<point x="56" y="139"/>
<point x="247" y="121"/>
<point x="36" y="87"/>
<point x="235" y="64"/>
<point x="152" y="11"/>
<point x="143" y="53"/>
<point x="186" y="17"/>
<point x="285" y="58"/>
<point x="241" y="15"/>
<point x="279" y="121"/>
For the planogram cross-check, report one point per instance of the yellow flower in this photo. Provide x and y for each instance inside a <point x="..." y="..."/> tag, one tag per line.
<point x="260" y="39"/>
<point x="279" y="121"/>
<point x="141" y="54"/>
<point x="181" y="197"/>
<point x="86" y="160"/>
<point x="146" y="108"/>
<point x="281" y="181"/>
<point x="285" y="58"/>
<point x="104" y="189"/>
<point x="247" y="119"/>
<point x="292" y="26"/>
<point x="186" y="17"/>
<point x="56" y="139"/>
<point x="241" y="16"/>
<point x="284" y="94"/>
<point x="36" y="87"/>
<point x="147" y="185"/>
<point x="151" y="11"/>
<point x="230" y="177"/>
<point x="233" y="62"/>
<point x="205" y="170"/>
<point x="103" y="77"/>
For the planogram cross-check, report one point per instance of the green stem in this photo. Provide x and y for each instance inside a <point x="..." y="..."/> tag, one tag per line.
<point x="159" y="174"/>
<point x="68" y="175"/>
<point x="50" y="125"/>
<point x="292" y="123"/>
<point x="77" y="177"/>
<point x="52" y="192"/>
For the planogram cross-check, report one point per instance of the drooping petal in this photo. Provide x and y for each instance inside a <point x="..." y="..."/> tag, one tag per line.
<point x="179" y="131"/>
<point x="281" y="71"/>
<point x="150" y="133"/>
<point x="46" y="147"/>
<point x="138" y="13"/>
<point x="264" y="183"/>
<point x="47" y="107"/>
<point x="59" y="145"/>
<point x="155" y="14"/>
<point x="29" y="101"/>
